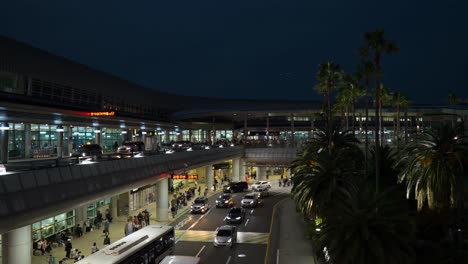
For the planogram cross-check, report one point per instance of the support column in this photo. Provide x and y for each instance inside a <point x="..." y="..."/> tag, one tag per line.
<point x="4" y="127"/>
<point x="81" y="214"/>
<point x="166" y="136"/>
<point x="59" y="142"/>
<point x="114" y="206"/>
<point x="97" y="134"/>
<point x="288" y="173"/>
<point x="27" y="141"/>
<point x="242" y="170"/>
<point x="236" y="169"/>
<point x="17" y="245"/>
<point x="261" y="173"/>
<point x="209" y="176"/>
<point x="70" y="139"/>
<point x="163" y="200"/>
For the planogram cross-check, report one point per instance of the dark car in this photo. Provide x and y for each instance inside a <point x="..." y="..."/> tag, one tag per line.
<point x="91" y="150"/>
<point x="224" y="200"/>
<point x="236" y="187"/>
<point x="181" y="145"/>
<point x="235" y="215"/>
<point x="200" y="205"/>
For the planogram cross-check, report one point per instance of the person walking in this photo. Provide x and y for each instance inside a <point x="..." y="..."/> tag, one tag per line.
<point x="206" y="191"/>
<point x="199" y="190"/>
<point x="68" y="248"/>
<point x="106" y="227"/>
<point x="173" y="211"/>
<point x="106" y="241"/>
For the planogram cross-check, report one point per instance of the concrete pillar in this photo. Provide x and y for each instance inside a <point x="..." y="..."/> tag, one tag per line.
<point x="288" y="173"/>
<point x="166" y="136"/>
<point x="4" y="127"/>
<point x="97" y="135"/>
<point x="70" y="139"/>
<point x="114" y="206"/>
<point x="17" y="246"/>
<point x="162" y="200"/>
<point x="235" y="169"/>
<point x="209" y="176"/>
<point x="242" y="170"/>
<point x="60" y="143"/>
<point x="261" y="173"/>
<point x="244" y="137"/>
<point x="81" y="214"/>
<point x="27" y="141"/>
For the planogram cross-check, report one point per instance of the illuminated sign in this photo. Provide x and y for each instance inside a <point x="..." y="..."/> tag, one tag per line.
<point x="184" y="176"/>
<point x="101" y="113"/>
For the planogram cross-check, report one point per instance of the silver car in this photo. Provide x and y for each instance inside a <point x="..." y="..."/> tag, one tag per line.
<point x="250" y="200"/>
<point x="200" y="205"/>
<point x="226" y="235"/>
<point x="262" y="192"/>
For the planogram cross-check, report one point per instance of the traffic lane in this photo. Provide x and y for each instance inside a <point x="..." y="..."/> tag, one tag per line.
<point x="257" y="219"/>
<point x="188" y="219"/>
<point x="241" y="253"/>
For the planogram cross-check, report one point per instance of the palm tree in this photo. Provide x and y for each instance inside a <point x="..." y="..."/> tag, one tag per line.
<point x="433" y="168"/>
<point x="329" y="76"/>
<point x="399" y="101"/>
<point x="385" y="100"/>
<point x="375" y="45"/>
<point x="323" y="168"/>
<point x="364" y="71"/>
<point x="355" y="233"/>
<point x="352" y="91"/>
<point x="343" y="105"/>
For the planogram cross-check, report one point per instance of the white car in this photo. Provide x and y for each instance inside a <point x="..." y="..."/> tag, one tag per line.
<point x="261" y="184"/>
<point x="250" y="200"/>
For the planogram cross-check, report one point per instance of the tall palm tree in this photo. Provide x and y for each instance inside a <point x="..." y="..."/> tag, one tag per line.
<point x="399" y="101"/>
<point x="364" y="72"/>
<point x="433" y="168"/>
<point x="352" y="91"/>
<point x="375" y="45"/>
<point x="355" y="233"/>
<point x="343" y="105"/>
<point x="385" y="100"/>
<point x="329" y="75"/>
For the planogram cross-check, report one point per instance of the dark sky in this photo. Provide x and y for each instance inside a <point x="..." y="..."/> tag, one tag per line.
<point x="250" y="48"/>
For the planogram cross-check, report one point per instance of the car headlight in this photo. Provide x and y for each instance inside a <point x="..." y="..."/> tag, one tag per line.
<point x="226" y="201"/>
<point x="230" y="240"/>
<point x="70" y="154"/>
<point x="228" y="217"/>
<point x="191" y="207"/>
<point x="84" y="154"/>
<point x="238" y="218"/>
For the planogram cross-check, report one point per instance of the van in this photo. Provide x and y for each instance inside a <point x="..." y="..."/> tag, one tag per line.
<point x="180" y="260"/>
<point x="236" y="187"/>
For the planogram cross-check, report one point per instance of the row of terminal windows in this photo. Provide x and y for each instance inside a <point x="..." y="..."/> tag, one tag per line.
<point x="66" y="95"/>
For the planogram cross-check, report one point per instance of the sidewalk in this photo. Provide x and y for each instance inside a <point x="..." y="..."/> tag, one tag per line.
<point x="116" y="230"/>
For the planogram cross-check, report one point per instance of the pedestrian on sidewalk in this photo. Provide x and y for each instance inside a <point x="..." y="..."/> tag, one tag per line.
<point x="106" y="241"/>
<point x="196" y="184"/>
<point x="68" y="248"/>
<point x="206" y="191"/>
<point x="94" y="248"/>
<point x="106" y="227"/>
<point x="173" y="211"/>
<point x="199" y="190"/>
<point x="279" y="182"/>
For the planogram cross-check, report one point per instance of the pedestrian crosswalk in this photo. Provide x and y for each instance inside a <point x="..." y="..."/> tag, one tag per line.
<point x="208" y="236"/>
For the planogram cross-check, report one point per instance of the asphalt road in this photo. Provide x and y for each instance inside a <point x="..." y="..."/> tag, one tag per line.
<point x="195" y="232"/>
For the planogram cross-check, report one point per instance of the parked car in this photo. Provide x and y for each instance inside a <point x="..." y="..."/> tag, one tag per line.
<point x="130" y="147"/>
<point x="235" y="215"/>
<point x="258" y="184"/>
<point x="226" y="235"/>
<point x="181" y="145"/>
<point x="224" y="200"/>
<point x="86" y="151"/>
<point x="262" y="192"/>
<point x="250" y="200"/>
<point x="200" y="205"/>
<point x="236" y="187"/>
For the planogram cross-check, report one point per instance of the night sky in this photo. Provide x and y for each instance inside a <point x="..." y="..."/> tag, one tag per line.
<point x="250" y="49"/>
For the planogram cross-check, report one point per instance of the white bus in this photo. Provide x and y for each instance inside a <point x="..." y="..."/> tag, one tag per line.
<point x="148" y="245"/>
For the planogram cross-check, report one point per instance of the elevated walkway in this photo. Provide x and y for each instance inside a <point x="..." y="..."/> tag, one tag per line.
<point x="29" y="196"/>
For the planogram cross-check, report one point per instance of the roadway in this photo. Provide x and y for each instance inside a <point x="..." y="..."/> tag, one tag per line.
<point x="195" y="232"/>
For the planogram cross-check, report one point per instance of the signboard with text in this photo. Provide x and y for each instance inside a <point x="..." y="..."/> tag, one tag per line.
<point x="184" y="176"/>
